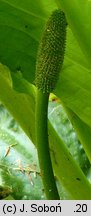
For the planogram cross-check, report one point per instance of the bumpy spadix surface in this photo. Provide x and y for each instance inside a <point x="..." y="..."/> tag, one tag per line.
<point x="51" y="52"/>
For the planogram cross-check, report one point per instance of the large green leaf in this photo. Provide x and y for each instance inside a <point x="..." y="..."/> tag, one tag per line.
<point x="74" y="84"/>
<point x="22" y="107"/>
<point x="65" y="130"/>
<point x="79" y="18"/>
<point x="83" y="131"/>
<point x="21" y="25"/>
<point x="16" y="102"/>
<point x="72" y="88"/>
<point x="19" y="169"/>
<point x="20" y="28"/>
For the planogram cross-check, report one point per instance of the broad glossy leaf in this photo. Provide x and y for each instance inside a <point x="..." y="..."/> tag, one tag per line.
<point x="20" y="27"/>
<point x="72" y="88"/>
<point x="65" y="130"/>
<point x="83" y="131"/>
<point x="21" y="101"/>
<point x="19" y="169"/>
<point x="79" y="16"/>
<point x="24" y="114"/>
<point x="16" y="103"/>
<point x="74" y="84"/>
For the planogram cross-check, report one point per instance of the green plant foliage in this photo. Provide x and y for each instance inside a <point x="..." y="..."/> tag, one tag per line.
<point x="19" y="169"/>
<point x="75" y="90"/>
<point x="13" y="100"/>
<point x="16" y="162"/>
<point x="19" y="22"/>
<point x="21" y="26"/>
<point x="71" y="93"/>
<point x="79" y="18"/>
<point x="62" y="125"/>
